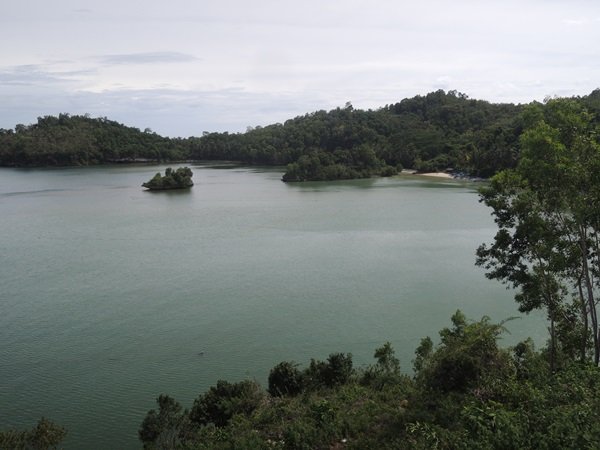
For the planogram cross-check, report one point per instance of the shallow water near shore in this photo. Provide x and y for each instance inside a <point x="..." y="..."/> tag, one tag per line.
<point x="112" y="295"/>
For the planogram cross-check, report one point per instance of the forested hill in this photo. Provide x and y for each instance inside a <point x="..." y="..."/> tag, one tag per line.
<point x="438" y="130"/>
<point x="431" y="132"/>
<point x="80" y="140"/>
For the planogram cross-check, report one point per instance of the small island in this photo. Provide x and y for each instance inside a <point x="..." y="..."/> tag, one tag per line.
<point x="173" y="179"/>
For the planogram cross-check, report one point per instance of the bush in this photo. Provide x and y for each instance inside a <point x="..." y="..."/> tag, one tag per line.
<point x="285" y="380"/>
<point x="335" y="371"/>
<point x="224" y="400"/>
<point x="163" y="429"/>
<point x="386" y="371"/>
<point x="388" y="171"/>
<point x="467" y="354"/>
<point x="45" y="435"/>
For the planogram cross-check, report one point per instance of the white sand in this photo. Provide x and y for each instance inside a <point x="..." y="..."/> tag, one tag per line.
<point x="436" y="174"/>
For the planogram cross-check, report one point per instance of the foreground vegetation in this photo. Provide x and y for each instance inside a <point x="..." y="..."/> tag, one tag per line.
<point x="427" y="133"/>
<point x="45" y="435"/>
<point x="466" y="393"/>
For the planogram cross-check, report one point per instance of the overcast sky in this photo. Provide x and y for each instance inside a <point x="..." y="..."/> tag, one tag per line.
<point x="181" y="67"/>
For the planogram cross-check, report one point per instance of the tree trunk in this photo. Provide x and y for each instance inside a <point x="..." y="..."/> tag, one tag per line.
<point x="590" y="296"/>
<point x="584" y="317"/>
<point x="552" y="346"/>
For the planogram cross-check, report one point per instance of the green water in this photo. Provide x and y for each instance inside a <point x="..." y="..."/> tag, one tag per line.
<point x="111" y="295"/>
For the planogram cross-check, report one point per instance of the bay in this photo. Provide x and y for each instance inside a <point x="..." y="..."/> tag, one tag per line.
<point x="111" y="295"/>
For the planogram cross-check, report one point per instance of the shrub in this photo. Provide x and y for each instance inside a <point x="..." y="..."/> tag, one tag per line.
<point x="285" y="380"/>
<point x="225" y="400"/>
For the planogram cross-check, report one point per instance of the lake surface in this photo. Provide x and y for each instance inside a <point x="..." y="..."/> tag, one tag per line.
<point x="111" y="295"/>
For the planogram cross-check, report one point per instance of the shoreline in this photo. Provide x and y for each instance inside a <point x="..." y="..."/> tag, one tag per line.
<point x="443" y="175"/>
<point x="436" y="175"/>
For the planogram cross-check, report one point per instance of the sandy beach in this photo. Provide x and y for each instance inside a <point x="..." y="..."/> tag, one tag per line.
<point x="436" y="174"/>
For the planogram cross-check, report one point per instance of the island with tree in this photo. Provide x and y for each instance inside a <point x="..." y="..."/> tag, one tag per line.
<point x="173" y="179"/>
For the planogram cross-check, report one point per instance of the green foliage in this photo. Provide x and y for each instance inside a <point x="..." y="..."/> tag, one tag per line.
<point x="165" y="428"/>
<point x="529" y="364"/>
<point x="285" y="379"/>
<point x="45" y="435"/>
<point x="386" y="359"/>
<point x="559" y="411"/>
<point x="433" y="132"/>
<point x="335" y="371"/>
<point x="386" y="371"/>
<point x="467" y="354"/>
<point x="223" y="401"/>
<point x="467" y="393"/>
<point x="173" y="179"/>
<point x="494" y="400"/>
<point x="548" y="213"/>
<point x="423" y="352"/>
<point x="80" y="140"/>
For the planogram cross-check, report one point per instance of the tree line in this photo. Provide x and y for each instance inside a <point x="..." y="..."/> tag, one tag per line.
<point x="436" y="131"/>
<point x="81" y="140"/>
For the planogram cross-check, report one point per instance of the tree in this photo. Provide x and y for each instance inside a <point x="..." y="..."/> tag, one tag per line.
<point x="173" y="179"/>
<point x="221" y="402"/>
<point x="163" y="429"/>
<point x="386" y="371"/>
<point x="45" y="435"/>
<point x="285" y="379"/>
<point x="337" y="370"/>
<point x="467" y="354"/>
<point x="548" y="213"/>
<point x="422" y="353"/>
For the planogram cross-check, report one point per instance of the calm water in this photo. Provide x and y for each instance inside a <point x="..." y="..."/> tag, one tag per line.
<point x="111" y="295"/>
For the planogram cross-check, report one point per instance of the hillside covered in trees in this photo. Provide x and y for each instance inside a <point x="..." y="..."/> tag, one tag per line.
<point x="433" y="132"/>
<point x="80" y="140"/>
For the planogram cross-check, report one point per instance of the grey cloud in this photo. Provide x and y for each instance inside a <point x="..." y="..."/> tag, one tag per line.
<point x="146" y="58"/>
<point x="184" y="112"/>
<point x="37" y="74"/>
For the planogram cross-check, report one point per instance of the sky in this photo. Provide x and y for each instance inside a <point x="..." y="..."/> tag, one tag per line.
<point x="183" y="67"/>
